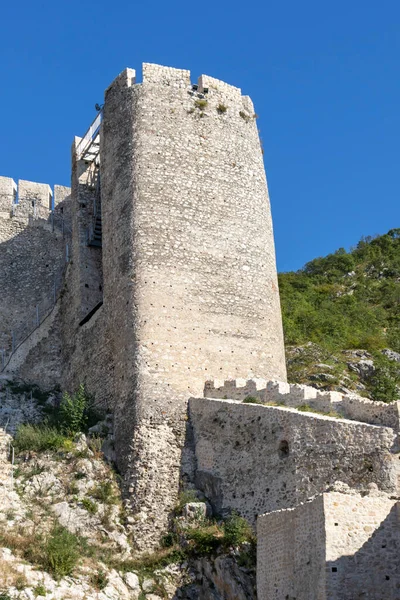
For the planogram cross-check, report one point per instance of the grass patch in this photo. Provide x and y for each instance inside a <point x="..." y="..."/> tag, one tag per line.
<point x="89" y="505"/>
<point x="221" y="109"/>
<point x="201" y="103"/>
<point x="252" y="400"/>
<point x="104" y="492"/>
<point x="61" y="552"/>
<point x="99" y="580"/>
<point x="39" y="590"/>
<point x="38" y="438"/>
<point x="309" y="409"/>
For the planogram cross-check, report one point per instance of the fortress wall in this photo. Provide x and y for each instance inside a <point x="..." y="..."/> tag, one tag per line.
<point x="8" y="193"/>
<point x="38" y="359"/>
<point x="362" y="546"/>
<point x="63" y="205"/>
<point x="369" y="411"/>
<point x="351" y="406"/>
<point x="33" y="199"/>
<point x="291" y="553"/>
<point x="30" y="260"/>
<point x="295" y="455"/>
<point x="189" y="263"/>
<point x="337" y="547"/>
<point x="87" y="272"/>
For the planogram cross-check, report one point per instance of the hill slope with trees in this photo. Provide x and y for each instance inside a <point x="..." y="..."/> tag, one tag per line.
<point x="341" y="318"/>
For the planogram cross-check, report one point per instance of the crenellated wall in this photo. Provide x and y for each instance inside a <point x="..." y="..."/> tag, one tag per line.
<point x="32" y="255"/>
<point x="190" y="283"/>
<point x="256" y="458"/>
<point x="297" y="395"/>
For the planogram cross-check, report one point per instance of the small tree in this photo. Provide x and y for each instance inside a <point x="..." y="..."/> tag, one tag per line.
<point x="74" y="411"/>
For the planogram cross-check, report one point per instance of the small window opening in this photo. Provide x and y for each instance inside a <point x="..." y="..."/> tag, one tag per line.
<point x="334" y="569"/>
<point x="283" y="449"/>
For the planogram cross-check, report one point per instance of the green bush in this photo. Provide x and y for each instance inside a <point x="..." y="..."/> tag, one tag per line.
<point x="201" y="103"/>
<point x="205" y="540"/>
<point x="104" y="492"/>
<point x="251" y="400"/>
<point x="237" y="530"/>
<point x="99" y="580"/>
<point x="89" y="505"/>
<point x="38" y="438"/>
<point x="61" y="552"/>
<point x="385" y="381"/>
<point x="73" y="414"/>
<point x="39" y="590"/>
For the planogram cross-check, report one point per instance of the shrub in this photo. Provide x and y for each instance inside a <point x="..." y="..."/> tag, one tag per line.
<point x="201" y="103"/>
<point x="244" y="116"/>
<point x="38" y="438"/>
<point x="74" y="411"/>
<point x="99" y="580"/>
<point x="39" y="590"/>
<point x="221" y="109"/>
<point x="252" y="400"/>
<point x="104" y="492"/>
<point x="205" y="540"/>
<point x="61" y="552"/>
<point x="89" y="505"/>
<point x="237" y="530"/>
<point x="168" y="540"/>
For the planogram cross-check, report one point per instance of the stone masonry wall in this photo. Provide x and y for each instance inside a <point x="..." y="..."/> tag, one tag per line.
<point x="190" y="285"/>
<point x="362" y="546"/>
<point x="291" y="553"/>
<point x="38" y="359"/>
<point x="296" y="395"/>
<point x="340" y="546"/>
<point x="255" y="458"/>
<point x="32" y="256"/>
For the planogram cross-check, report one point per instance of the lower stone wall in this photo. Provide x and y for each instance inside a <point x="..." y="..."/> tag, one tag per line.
<point x="340" y="546"/>
<point x="291" y="553"/>
<point x="256" y="459"/>
<point x="362" y="546"/>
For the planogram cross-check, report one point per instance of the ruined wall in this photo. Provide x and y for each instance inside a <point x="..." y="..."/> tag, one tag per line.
<point x="340" y="546"/>
<point x="291" y="553"/>
<point x="255" y="458"/>
<point x="189" y="265"/>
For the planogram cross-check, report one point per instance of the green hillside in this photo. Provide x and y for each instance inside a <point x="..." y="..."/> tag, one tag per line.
<point x="344" y="302"/>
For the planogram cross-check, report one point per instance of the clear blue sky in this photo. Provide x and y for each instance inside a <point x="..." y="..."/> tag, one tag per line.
<point x="324" y="77"/>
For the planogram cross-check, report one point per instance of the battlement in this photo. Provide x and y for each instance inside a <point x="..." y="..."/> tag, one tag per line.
<point x="207" y="86"/>
<point x="351" y="407"/>
<point x="255" y="458"/>
<point x="28" y="199"/>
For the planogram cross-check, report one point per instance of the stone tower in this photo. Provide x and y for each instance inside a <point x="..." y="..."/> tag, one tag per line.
<point x="187" y="265"/>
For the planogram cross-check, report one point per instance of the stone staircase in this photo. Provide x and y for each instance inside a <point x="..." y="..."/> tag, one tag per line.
<point x="96" y="238"/>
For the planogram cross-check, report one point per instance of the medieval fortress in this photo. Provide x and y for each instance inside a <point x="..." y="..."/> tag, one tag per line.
<point x="152" y="281"/>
